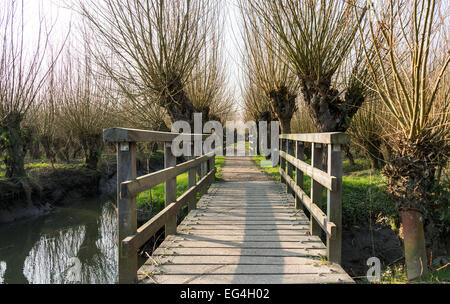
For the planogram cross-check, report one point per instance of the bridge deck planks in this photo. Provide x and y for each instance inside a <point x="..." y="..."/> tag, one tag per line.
<point x="242" y="232"/>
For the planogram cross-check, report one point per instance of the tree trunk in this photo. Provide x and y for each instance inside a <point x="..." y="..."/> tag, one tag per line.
<point x="14" y="146"/>
<point x="411" y="174"/>
<point x="178" y="105"/>
<point x="264" y="117"/>
<point x="283" y="105"/>
<point x="414" y="241"/>
<point x="92" y="147"/>
<point x="92" y="158"/>
<point x="329" y="112"/>
<point x="349" y="154"/>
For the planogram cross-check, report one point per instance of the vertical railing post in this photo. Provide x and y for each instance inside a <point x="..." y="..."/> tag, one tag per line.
<point x="334" y="203"/>
<point x="170" y="188"/>
<point x="282" y="160"/>
<point x="290" y="167"/>
<point x="316" y="187"/>
<point x="212" y="163"/>
<point x="299" y="154"/>
<point x="204" y="168"/>
<point x="192" y="177"/>
<point x="212" y="167"/>
<point x="127" y="222"/>
<point x="191" y="183"/>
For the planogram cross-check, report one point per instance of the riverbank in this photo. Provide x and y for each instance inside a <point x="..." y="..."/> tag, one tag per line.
<point x="47" y="186"/>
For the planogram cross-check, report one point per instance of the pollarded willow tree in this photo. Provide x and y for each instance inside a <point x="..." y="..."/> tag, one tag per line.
<point x="318" y="40"/>
<point x="23" y="72"/>
<point x="86" y="104"/>
<point x="256" y="105"/>
<point x="207" y="87"/>
<point x="265" y="63"/>
<point x="412" y="81"/>
<point x="150" y="47"/>
<point x="366" y="131"/>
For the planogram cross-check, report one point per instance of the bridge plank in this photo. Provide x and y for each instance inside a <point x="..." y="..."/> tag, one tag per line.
<point x="243" y="244"/>
<point x="230" y="260"/>
<point x="242" y="251"/>
<point x="249" y="279"/>
<point x="261" y="269"/>
<point x="243" y="232"/>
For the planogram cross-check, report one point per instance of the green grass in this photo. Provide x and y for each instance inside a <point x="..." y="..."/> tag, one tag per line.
<point x="364" y="192"/>
<point x="155" y="197"/>
<point x="272" y="171"/>
<point x="396" y="274"/>
<point x="37" y="165"/>
<point x="220" y="162"/>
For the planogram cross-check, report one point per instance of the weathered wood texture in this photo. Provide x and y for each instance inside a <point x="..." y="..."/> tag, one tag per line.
<point x="117" y="135"/>
<point x="127" y="219"/>
<point x="319" y="138"/>
<point x="128" y="187"/>
<point x="244" y="232"/>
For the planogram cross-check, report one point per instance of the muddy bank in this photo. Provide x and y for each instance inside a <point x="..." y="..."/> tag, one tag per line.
<point x="43" y="190"/>
<point x="359" y="243"/>
<point x="47" y="187"/>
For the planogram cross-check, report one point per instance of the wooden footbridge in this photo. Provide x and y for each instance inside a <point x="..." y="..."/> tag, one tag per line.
<point x="246" y="229"/>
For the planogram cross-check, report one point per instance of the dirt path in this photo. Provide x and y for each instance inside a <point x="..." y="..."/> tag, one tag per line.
<point x="242" y="169"/>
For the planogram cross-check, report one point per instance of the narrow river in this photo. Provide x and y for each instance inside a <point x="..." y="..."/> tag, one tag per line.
<point x="72" y="244"/>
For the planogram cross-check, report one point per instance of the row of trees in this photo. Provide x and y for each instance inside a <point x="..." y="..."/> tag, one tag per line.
<point x="129" y="63"/>
<point x="377" y="70"/>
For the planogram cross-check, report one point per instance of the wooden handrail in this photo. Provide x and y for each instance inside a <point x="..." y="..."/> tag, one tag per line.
<point x="132" y="243"/>
<point x="337" y="138"/>
<point x="118" y="135"/>
<point x="131" y="238"/>
<point x="316" y="212"/>
<point x="329" y="143"/>
<point x="322" y="177"/>
<point x="132" y="188"/>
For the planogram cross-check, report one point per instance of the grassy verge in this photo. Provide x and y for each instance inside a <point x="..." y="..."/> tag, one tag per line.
<point x="154" y="198"/>
<point x="396" y="274"/>
<point x="364" y="195"/>
<point x="33" y="166"/>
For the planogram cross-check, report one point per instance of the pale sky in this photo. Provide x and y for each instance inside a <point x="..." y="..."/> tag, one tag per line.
<point x="57" y="13"/>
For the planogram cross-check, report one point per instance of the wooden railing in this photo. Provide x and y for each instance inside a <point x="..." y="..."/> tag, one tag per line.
<point x="201" y="173"/>
<point x="322" y="145"/>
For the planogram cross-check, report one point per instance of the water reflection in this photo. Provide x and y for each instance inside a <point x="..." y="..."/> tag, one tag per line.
<point x="2" y="271"/>
<point x="72" y="245"/>
<point x="47" y="261"/>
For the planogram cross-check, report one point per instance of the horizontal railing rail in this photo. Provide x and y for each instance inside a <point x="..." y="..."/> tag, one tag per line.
<point x="117" y="135"/>
<point x="132" y="243"/>
<point x="201" y="174"/>
<point x="324" y="146"/>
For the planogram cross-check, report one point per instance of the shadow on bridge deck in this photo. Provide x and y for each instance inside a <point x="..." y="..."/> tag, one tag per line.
<point x="244" y="231"/>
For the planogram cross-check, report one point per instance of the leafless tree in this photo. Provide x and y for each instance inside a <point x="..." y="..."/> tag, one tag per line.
<point x="151" y="47"/>
<point x="266" y="64"/>
<point x="411" y="50"/>
<point x="23" y="72"/>
<point x="318" y="39"/>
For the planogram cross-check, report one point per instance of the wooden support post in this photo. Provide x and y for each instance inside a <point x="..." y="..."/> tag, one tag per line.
<point x="126" y="170"/>
<point x="290" y="167"/>
<point x="204" y="168"/>
<point x="334" y="203"/>
<point x="282" y="160"/>
<point x="316" y="187"/>
<point x="299" y="154"/>
<point x="191" y="183"/>
<point x="170" y="188"/>
<point x="212" y="163"/>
